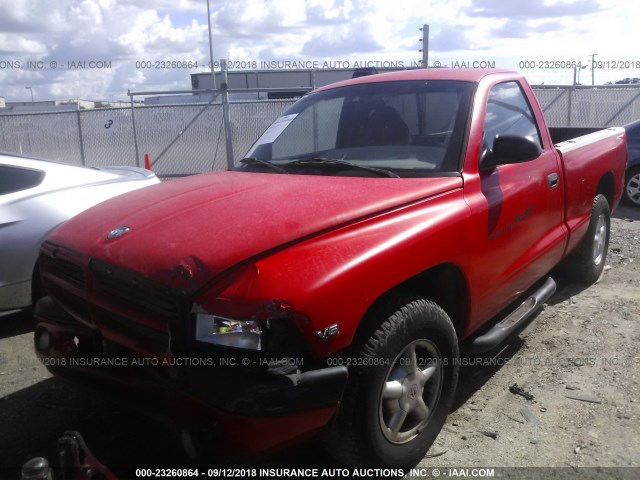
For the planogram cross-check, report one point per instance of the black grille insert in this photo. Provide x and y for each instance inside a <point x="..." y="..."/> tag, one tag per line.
<point x="62" y="269"/>
<point x="137" y="291"/>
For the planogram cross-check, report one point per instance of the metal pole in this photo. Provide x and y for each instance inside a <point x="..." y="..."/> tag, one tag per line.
<point x="425" y="45"/>
<point x="4" y="145"/>
<point x="593" y="68"/>
<point x="213" y="73"/>
<point x="135" y="133"/>
<point x="82" y="159"/>
<point x="226" y="116"/>
<point x="569" y="107"/>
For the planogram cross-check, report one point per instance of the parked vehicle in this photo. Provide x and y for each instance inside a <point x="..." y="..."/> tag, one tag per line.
<point x="632" y="176"/>
<point x="377" y="229"/>
<point x="35" y="197"/>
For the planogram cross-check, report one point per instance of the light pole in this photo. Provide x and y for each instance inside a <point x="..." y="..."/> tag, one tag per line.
<point x="593" y="68"/>
<point x="31" y="90"/>
<point x="213" y="73"/>
<point x="576" y="74"/>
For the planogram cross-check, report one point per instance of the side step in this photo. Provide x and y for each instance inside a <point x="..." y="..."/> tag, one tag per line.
<point x="501" y="330"/>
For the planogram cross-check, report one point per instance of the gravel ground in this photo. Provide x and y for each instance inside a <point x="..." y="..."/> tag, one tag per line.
<point x="578" y="358"/>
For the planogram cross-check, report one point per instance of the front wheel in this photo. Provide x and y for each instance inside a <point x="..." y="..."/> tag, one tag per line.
<point x="400" y="391"/>
<point x="586" y="263"/>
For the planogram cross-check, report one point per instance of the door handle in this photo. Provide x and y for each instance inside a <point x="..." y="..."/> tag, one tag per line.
<point x="553" y="180"/>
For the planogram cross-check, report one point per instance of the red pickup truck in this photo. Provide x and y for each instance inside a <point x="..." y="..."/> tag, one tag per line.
<point x="379" y="229"/>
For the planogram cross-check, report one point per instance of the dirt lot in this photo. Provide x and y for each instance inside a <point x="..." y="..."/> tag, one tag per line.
<point x="584" y="344"/>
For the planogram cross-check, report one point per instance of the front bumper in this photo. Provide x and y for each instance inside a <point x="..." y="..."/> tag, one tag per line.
<point x="256" y="404"/>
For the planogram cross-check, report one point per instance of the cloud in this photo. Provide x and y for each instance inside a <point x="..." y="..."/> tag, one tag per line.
<point x="449" y="39"/>
<point x="526" y="29"/>
<point x="529" y="18"/>
<point x="528" y="9"/>
<point x="349" y="38"/>
<point x="10" y="44"/>
<point x="128" y="31"/>
<point x="311" y="28"/>
<point x="121" y="32"/>
<point x="259" y="18"/>
<point x="20" y="16"/>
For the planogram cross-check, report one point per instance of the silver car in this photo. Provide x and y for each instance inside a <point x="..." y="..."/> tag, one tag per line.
<point x="35" y="197"/>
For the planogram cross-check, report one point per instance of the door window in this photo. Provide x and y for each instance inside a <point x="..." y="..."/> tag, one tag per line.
<point x="508" y="112"/>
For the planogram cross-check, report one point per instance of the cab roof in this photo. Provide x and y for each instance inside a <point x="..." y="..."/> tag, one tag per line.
<point x="468" y="75"/>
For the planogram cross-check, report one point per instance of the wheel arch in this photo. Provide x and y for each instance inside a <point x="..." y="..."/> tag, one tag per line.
<point x="444" y="284"/>
<point x="606" y="187"/>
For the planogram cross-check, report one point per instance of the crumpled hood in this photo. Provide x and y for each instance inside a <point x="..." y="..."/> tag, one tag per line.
<point x="185" y="232"/>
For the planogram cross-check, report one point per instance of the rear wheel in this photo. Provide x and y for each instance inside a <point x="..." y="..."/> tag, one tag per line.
<point x="400" y="390"/>
<point x="632" y="187"/>
<point x="586" y="263"/>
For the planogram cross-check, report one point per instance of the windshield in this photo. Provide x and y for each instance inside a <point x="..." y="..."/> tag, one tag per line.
<point x="406" y="129"/>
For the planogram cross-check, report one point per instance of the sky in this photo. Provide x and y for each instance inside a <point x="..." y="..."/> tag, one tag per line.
<point x="99" y="49"/>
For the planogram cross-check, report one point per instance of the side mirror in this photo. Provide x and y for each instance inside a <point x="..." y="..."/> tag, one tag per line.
<point x="510" y="149"/>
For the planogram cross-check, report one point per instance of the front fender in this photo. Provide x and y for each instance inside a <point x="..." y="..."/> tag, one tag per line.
<point x="334" y="278"/>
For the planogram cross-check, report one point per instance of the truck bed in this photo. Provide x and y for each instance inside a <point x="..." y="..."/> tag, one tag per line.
<point x="565" y="134"/>
<point x="598" y="156"/>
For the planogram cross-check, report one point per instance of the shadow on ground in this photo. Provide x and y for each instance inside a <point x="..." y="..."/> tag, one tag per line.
<point x="16" y="324"/>
<point x="33" y="418"/>
<point x="124" y="438"/>
<point x="625" y="212"/>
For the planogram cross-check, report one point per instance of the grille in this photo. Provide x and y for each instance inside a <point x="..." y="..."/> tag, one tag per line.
<point x="137" y="335"/>
<point x="135" y="307"/>
<point x="64" y="280"/>
<point x="127" y="308"/>
<point x="53" y="264"/>
<point x="135" y="290"/>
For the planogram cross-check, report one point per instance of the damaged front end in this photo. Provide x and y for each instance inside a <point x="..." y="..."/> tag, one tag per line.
<point x="243" y="368"/>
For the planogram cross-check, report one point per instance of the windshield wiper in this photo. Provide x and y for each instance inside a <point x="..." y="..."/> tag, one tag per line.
<point x="259" y="161"/>
<point x="344" y="163"/>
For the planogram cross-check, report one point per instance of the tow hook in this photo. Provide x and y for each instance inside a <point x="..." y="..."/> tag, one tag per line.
<point x="76" y="463"/>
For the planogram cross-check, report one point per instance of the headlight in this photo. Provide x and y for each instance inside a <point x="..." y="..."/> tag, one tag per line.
<point x="228" y="332"/>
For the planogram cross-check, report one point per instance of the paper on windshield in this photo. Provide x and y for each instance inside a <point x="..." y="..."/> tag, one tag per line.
<point x="276" y="129"/>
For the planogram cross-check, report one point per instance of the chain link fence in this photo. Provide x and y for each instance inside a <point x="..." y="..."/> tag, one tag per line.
<point x="180" y="139"/>
<point x="589" y="106"/>
<point x="183" y="139"/>
<point x="107" y="137"/>
<point x="47" y="135"/>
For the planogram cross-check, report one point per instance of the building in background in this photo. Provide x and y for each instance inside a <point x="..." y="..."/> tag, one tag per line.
<point x="290" y="83"/>
<point x="297" y="81"/>
<point x="45" y="106"/>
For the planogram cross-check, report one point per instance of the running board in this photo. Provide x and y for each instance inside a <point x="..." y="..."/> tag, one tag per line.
<point x="501" y="330"/>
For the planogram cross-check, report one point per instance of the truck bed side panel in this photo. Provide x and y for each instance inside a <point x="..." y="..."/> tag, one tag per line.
<point x="586" y="161"/>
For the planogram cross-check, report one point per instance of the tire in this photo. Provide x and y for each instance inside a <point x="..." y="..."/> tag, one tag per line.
<point x="400" y="391"/>
<point x="586" y="263"/>
<point x="632" y="187"/>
